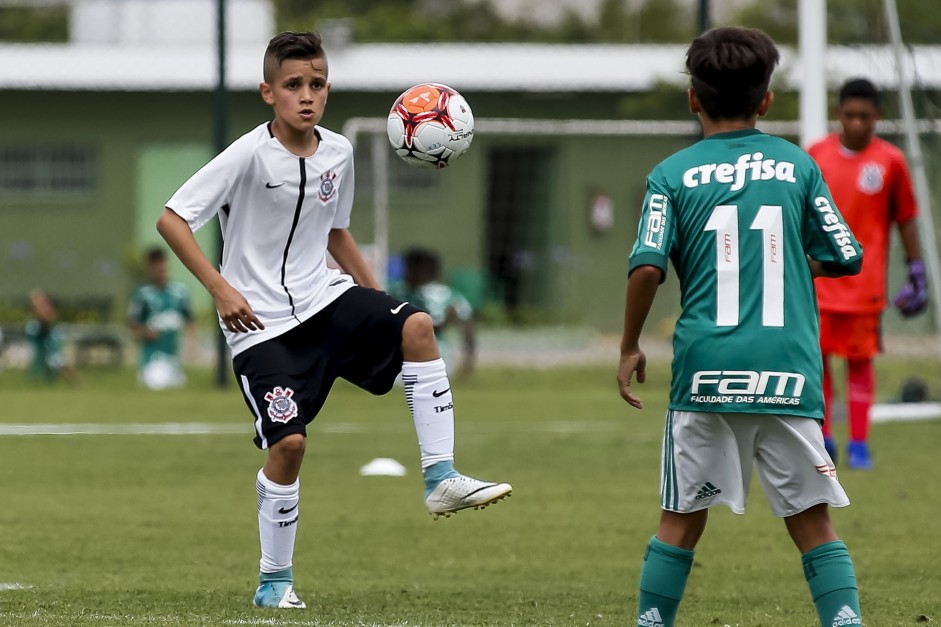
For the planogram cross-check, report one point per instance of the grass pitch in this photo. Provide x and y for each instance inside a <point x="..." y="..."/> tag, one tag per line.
<point x="129" y="529"/>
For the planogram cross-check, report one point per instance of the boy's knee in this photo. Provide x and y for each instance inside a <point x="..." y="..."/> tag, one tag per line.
<point x="418" y="329"/>
<point x="290" y="447"/>
<point x="418" y="338"/>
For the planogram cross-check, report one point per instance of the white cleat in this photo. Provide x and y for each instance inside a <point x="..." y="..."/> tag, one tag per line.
<point x="456" y="493"/>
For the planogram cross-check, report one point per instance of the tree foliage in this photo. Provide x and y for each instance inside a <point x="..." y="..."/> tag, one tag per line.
<point x="426" y="21"/>
<point x="848" y="21"/>
<point x="31" y="24"/>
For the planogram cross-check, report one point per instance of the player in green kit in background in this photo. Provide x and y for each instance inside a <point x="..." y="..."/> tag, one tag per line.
<point x="422" y="287"/>
<point x="748" y="222"/>
<point x="157" y="314"/>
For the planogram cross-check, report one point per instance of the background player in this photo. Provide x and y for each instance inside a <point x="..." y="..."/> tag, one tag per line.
<point x="157" y="313"/>
<point x="283" y="193"/>
<point x="47" y="362"/>
<point x="747" y="220"/>
<point x="422" y="287"/>
<point x="871" y="186"/>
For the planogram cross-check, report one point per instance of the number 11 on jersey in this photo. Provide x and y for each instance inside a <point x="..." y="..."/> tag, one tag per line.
<point x="769" y="222"/>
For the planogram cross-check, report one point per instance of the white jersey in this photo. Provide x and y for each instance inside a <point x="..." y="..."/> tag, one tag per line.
<point x="276" y="211"/>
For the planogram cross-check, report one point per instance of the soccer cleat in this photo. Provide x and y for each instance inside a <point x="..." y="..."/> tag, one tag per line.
<point x="277" y="590"/>
<point x="830" y="444"/>
<point x="277" y="594"/>
<point x="453" y="494"/>
<point x="859" y="458"/>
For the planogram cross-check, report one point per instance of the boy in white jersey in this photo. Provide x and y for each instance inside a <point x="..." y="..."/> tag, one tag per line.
<point x="748" y="222"/>
<point x="283" y="193"/>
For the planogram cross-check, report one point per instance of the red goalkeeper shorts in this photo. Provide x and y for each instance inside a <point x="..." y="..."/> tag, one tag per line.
<point x="854" y="336"/>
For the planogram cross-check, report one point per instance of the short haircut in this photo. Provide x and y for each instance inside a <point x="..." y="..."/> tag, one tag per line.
<point x="730" y="70"/>
<point x="155" y="255"/>
<point x="859" y="88"/>
<point x="423" y="259"/>
<point x="291" y="45"/>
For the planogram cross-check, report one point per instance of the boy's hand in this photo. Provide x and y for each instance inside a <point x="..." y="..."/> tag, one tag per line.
<point x="632" y="362"/>
<point x="912" y="299"/>
<point x="235" y="311"/>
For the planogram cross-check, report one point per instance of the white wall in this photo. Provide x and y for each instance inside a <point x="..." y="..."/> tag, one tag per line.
<point x="168" y="21"/>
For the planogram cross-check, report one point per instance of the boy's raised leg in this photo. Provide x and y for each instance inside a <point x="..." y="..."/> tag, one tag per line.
<point x="428" y="392"/>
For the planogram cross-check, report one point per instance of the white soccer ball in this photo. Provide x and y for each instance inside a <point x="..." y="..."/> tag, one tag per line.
<point x="431" y="125"/>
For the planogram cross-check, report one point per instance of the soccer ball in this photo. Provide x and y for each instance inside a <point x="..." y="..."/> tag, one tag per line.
<point x="431" y="125"/>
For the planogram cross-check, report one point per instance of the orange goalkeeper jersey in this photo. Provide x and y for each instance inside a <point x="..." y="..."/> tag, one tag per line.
<point x="872" y="189"/>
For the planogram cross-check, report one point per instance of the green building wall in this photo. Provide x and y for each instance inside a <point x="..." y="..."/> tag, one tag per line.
<point x="148" y="143"/>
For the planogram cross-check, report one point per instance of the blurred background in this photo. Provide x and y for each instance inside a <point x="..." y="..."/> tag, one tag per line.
<point x="107" y="106"/>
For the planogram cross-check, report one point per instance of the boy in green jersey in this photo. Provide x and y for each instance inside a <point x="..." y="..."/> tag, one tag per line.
<point x="748" y="222"/>
<point x="158" y="313"/>
<point x="422" y="287"/>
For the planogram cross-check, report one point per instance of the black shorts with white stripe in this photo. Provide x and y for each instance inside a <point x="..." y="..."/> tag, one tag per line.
<point x="285" y="380"/>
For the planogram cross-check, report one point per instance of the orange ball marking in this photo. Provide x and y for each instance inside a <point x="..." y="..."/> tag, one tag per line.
<point x="420" y="99"/>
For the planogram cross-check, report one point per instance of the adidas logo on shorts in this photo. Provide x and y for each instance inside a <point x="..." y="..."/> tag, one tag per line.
<point x="708" y="490"/>
<point x="650" y="618"/>
<point x="846" y="616"/>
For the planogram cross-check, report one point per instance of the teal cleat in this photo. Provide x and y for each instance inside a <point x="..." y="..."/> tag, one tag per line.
<point x="277" y="590"/>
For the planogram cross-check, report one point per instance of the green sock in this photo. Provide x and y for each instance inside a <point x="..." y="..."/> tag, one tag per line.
<point x="662" y="582"/>
<point x="832" y="580"/>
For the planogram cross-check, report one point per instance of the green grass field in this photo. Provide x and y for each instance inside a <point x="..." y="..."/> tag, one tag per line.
<point x="154" y="529"/>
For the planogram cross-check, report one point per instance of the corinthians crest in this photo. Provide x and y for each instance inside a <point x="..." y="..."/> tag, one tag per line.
<point x="327" y="186"/>
<point x="870" y="178"/>
<point x="281" y="407"/>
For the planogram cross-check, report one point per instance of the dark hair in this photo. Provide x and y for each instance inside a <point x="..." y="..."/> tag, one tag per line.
<point x="730" y="70"/>
<point x="291" y="45"/>
<point x="422" y="258"/>
<point x="421" y="265"/>
<point x="859" y="88"/>
<point x="155" y="255"/>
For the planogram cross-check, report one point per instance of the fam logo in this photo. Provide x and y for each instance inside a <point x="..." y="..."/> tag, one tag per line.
<point x="281" y="407"/>
<point x="767" y="387"/>
<point x="328" y="187"/>
<point x="871" y="178"/>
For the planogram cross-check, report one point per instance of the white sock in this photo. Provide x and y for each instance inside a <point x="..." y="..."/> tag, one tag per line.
<point x="428" y="392"/>
<point x="277" y="522"/>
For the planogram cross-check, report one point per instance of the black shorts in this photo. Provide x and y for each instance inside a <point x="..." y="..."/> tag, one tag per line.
<point x="286" y="380"/>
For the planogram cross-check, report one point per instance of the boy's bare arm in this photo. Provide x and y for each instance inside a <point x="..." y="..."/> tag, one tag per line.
<point x="641" y="289"/>
<point x="231" y="305"/>
<point x="343" y="249"/>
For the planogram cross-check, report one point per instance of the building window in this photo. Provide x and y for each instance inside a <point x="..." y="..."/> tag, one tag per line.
<point x="68" y="169"/>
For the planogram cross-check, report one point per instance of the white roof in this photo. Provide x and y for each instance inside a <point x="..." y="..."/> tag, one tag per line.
<point x="390" y="67"/>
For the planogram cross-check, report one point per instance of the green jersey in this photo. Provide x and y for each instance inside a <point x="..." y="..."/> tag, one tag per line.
<point x="165" y="310"/>
<point x="738" y="213"/>
<point x="435" y="299"/>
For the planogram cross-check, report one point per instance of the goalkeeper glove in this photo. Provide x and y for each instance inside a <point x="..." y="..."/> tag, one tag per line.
<point x="912" y="299"/>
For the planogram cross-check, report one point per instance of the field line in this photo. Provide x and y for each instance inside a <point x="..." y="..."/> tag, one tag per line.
<point x="245" y="428"/>
<point x="14" y="586"/>
<point x="904" y="412"/>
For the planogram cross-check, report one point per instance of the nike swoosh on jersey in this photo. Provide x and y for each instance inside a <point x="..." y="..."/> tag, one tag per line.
<point x="399" y="308"/>
<point x="269" y="185"/>
<point x="281" y="510"/>
<point x="438" y="394"/>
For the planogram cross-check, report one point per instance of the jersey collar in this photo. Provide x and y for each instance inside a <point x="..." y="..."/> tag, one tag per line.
<point x="745" y="132"/>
